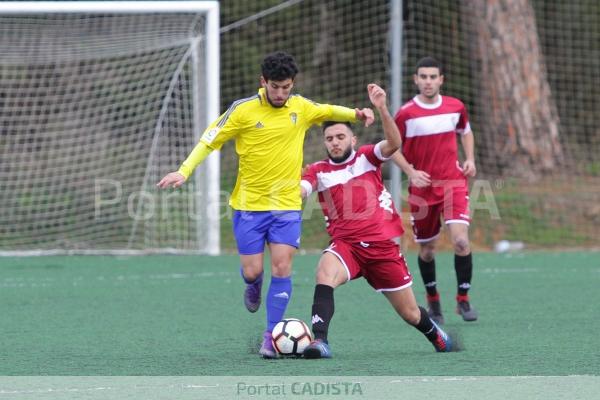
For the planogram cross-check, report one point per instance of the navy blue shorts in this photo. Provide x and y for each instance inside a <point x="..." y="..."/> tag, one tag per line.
<point x="252" y="229"/>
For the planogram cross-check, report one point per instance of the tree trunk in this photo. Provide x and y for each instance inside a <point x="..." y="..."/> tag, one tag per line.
<point x="521" y="130"/>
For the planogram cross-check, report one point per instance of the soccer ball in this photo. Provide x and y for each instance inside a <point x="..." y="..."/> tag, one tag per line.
<point x="291" y="336"/>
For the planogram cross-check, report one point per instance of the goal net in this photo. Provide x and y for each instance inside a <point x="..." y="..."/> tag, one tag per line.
<point x="98" y="100"/>
<point x="97" y="105"/>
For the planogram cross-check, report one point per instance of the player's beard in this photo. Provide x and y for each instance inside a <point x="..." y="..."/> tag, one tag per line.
<point x="341" y="158"/>
<point x="272" y="104"/>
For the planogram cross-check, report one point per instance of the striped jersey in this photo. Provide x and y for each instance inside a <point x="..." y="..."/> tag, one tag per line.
<point x="429" y="133"/>
<point x="269" y="142"/>
<point x="356" y="205"/>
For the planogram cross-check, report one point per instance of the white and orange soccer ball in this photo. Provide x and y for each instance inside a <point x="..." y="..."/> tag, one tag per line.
<point x="291" y="336"/>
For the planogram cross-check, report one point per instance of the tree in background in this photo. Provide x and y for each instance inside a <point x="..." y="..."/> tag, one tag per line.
<point x="522" y="126"/>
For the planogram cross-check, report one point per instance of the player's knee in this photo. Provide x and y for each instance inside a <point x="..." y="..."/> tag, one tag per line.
<point x="327" y="276"/>
<point x="411" y="315"/>
<point x="427" y="253"/>
<point x="461" y="246"/>
<point x="427" y="256"/>
<point x="281" y="269"/>
<point x="251" y="271"/>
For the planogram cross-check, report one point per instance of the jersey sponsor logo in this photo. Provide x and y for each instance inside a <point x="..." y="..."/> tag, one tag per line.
<point x="294" y="117"/>
<point x="282" y="295"/>
<point x="259" y="125"/>
<point x="385" y="200"/>
<point x="316" y="318"/>
<point x="210" y="135"/>
<point x="365" y="245"/>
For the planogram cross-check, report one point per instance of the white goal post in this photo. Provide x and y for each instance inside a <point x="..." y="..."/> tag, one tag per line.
<point x="98" y="100"/>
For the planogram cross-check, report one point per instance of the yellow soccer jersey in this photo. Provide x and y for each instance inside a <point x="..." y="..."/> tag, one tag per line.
<point x="269" y="142"/>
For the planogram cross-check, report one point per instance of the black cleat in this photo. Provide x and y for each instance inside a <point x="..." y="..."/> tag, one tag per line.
<point x="434" y="309"/>
<point x="464" y="309"/>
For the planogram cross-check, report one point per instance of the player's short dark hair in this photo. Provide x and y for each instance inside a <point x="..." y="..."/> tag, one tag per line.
<point x="279" y="66"/>
<point x="327" y="124"/>
<point x="429" y="62"/>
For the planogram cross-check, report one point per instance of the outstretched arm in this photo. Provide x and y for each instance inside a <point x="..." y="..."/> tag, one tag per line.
<point x="318" y="113"/>
<point x="178" y="178"/>
<point x="218" y="132"/>
<point x="392" y="141"/>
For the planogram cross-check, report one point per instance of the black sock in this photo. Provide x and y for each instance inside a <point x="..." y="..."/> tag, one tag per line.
<point x="428" y="274"/>
<point x="425" y="326"/>
<point x="464" y="272"/>
<point x="322" y="311"/>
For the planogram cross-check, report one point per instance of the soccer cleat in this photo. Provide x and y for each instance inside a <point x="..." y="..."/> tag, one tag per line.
<point x="317" y="349"/>
<point x="464" y="309"/>
<point x="266" y="349"/>
<point x="442" y="342"/>
<point x="434" y="309"/>
<point x="252" y="295"/>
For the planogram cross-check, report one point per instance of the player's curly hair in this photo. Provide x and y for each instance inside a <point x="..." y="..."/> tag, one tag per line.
<point x="279" y="66"/>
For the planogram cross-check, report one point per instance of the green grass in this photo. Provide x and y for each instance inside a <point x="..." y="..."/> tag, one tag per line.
<point x="526" y="221"/>
<point x="183" y="315"/>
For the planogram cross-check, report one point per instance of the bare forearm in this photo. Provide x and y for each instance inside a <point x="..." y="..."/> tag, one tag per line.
<point x="468" y="144"/>
<point x="400" y="161"/>
<point x="390" y="130"/>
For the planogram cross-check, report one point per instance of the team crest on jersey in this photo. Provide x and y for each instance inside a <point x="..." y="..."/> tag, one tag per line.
<point x="294" y="117"/>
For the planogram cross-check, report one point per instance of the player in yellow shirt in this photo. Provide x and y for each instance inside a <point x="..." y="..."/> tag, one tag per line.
<point x="269" y="130"/>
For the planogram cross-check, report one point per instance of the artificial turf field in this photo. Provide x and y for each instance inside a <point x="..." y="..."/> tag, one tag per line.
<point x="183" y="316"/>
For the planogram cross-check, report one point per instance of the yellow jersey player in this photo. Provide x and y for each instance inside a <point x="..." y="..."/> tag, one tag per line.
<point x="269" y="130"/>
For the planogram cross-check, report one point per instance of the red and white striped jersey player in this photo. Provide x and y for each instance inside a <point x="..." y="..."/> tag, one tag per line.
<point x="429" y="125"/>
<point x="362" y="221"/>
